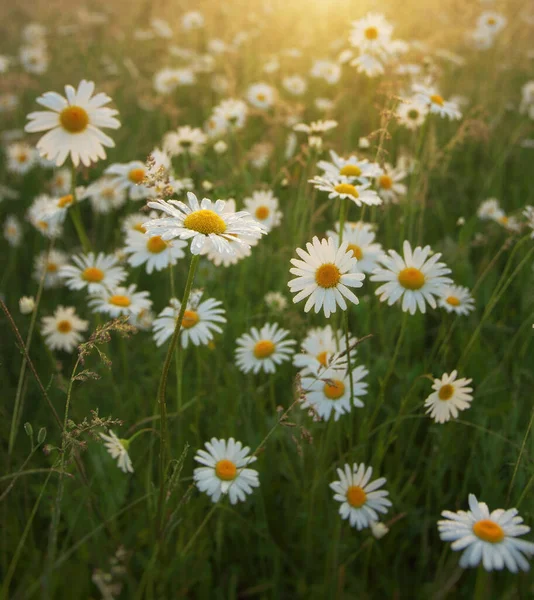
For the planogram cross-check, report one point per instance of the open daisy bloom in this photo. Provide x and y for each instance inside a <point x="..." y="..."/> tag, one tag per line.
<point x="324" y="276"/>
<point x="360" y="499"/>
<point x="93" y="271"/>
<point x="73" y="124"/>
<point x="490" y="538"/>
<point x="457" y="299"/>
<point x="118" y="448"/>
<point x="120" y="301"/>
<point x="152" y="251"/>
<point x="450" y="396"/>
<point x="347" y="188"/>
<point x="415" y="278"/>
<point x="263" y="349"/>
<point x="360" y="237"/>
<point x="225" y="470"/>
<point x="435" y="102"/>
<point x="62" y="331"/>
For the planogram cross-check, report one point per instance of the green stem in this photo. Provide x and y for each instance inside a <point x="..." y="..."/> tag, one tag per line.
<point x="76" y="217"/>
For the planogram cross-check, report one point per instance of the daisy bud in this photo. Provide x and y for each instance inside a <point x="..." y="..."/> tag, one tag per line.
<point x="28" y="429"/>
<point x="26" y="305"/>
<point x="41" y="436"/>
<point x="220" y="147"/>
<point x="364" y="142"/>
<point x="379" y="530"/>
<point x="207" y="185"/>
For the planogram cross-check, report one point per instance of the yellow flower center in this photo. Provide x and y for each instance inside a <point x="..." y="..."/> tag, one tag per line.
<point x="42" y="225"/>
<point x="445" y="392"/>
<point x="346" y="188"/>
<point x="371" y="33"/>
<point x="136" y="175"/>
<point x="260" y="97"/>
<point x="264" y="349"/>
<point x="93" y="274"/>
<point x="411" y="278"/>
<point x="64" y="326"/>
<point x="503" y="220"/>
<point x="356" y="251"/>
<point x="139" y="227"/>
<point x="436" y="99"/>
<point x="334" y="389"/>
<point x="489" y="531"/>
<point x="453" y="301"/>
<point x="350" y="171"/>
<point x="322" y="357"/>
<point x="74" y="119"/>
<point x="327" y="275"/>
<point x="356" y="497"/>
<point x="156" y="245"/>
<point x="491" y="21"/>
<point x="65" y="201"/>
<point x="22" y="157"/>
<point x="119" y="300"/>
<point x="51" y="267"/>
<point x="226" y="470"/>
<point x="262" y="212"/>
<point x="190" y="319"/>
<point x="385" y="182"/>
<point x="205" y="221"/>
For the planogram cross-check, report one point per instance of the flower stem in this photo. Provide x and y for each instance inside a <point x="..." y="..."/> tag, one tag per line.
<point x="76" y="217"/>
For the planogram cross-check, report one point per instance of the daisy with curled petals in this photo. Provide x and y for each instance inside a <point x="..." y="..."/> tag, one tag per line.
<point x="361" y="499"/>
<point x="487" y="537"/>
<point x="118" y="448"/>
<point x="329" y="392"/>
<point x="206" y="224"/>
<point x="416" y="278"/>
<point x="74" y="124"/>
<point x="225" y="470"/>
<point x="450" y="396"/>
<point x="264" y="349"/>
<point x="435" y="103"/>
<point x="345" y="188"/>
<point x="120" y="301"/>
<point x="152" y="251"/>
<point x="92" y="272"/>
<point x="130" y="177"/>
<point x="62" y="331"/>
<point x="199" y="323"/>
<point x="360" y="237"/>
<point x="324" y="276"/>
<point x="322" y="348"/>
<point x="457" y="299"/>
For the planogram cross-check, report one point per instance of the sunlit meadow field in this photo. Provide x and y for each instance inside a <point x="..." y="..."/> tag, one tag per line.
<point x="318" y="383"/>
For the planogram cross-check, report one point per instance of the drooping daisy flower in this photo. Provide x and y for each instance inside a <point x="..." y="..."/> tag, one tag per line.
<point x="343" y="188"/>
<point x="120" y="301"/>
<point x="261" y="95"/>
<point x="457" y="299"/>
<point x="415" y="278"/>
<point x="324" y="276"/>
<point x="360" y="239"/>
<point x="451" y="395"/>
<point x="207" y="224"/>
<point x="263" y="206"/>
<point x="92" y="272"/>
<point x="74" y="124"/>
<point x="360" y="499"/>
<point x="50" y="267"/>
<point x="20" y="157"/>
<point x="328" y="392"/>
<point x="199" y="323"/>
<point x="323" y="348"/>
<point x="435" y="103"/>
<point x="130" y="177"/>
<point x="118" y="448"/>
<point x="490" y="538"/>
<point x="263" y="349"/>
<point x="190" y="140"/>
<point x="62" y="331"/>
<point x="389" y="185"/>
<point x="12" y="231"/>
<point x="225" y="470"/>
<point x="411" y="113"/>
<point x="152" y="251"/>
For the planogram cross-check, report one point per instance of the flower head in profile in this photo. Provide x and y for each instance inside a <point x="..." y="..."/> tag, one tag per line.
<point x="118" y="448"/>
<point x="263" y="349"/>
<point x="63" y="330"/>
<point x="450" y="396"/>
<point x="74" y="124"/>
<point x="487" y="537"/>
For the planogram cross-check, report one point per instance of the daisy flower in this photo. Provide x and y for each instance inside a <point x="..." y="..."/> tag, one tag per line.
<point x="263" y="349"/>
<point x="389" y="184"/>
<point x="294" y="85"/>
<point x="130" y="177"/>
<point x="74" y="123"/>
<point x="120" y="301"/>
<point x="225" y="470"/>
<point x="316" y="127"/>
<point x="491" y="22"/>
<point x="322" y="348"/>
<point x="263" y="206"/>
<point x="105" y="195"/>
<point x="371" y="34"/>
<point x="327" y="70"/>
<point x="231" y="113"/>
<point x="152" y="251"/>
<point x="490" y="210"/>
<point x="435" y="103"/>
<point x="352" y="168"/>
<point x="37" y="215"/>
<point x="118" y="448"/>
<point x="411" y="113"/>
<point x="199" y="323"/>
<point x="415" y="278"/>
<point x="92" y="272"/>
<point x="450" y="396"/>
<point x="457" y="299"/>
<point x="360" y="240"/>
<point x="324" y="276"/>
<point x="343" y="188"/>
<point x="62" y="331"/>
<point x="261" y="95"/>
<point x="51" y="267"/>
<point x="190" y="140"/>
<point x="328" y="393"/>
<point x="206" y="224"/>
<point x="61" y="182"/>
<point x="275" y="301"/>
<point x="360" y="499"/>
<point x="20" y="157"/>
<point x="490" y="538"/>
<point x="26" y="304"/>
<point x="167" y="80"/>
<point x="528" y="213"/>
<point x="12" y="231"/>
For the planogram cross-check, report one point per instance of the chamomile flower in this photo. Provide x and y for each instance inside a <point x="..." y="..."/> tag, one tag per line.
<point x="275" y="301"/>
<point x="152" y="251"/>
<point x="118" y="448"/>
<point x="324" y="276"/>
<point x="361" y="499"/>
<point x="450" y="396"/>
<point x="38" y="214"/>
<point x="328" y="393"/>
<point x="50" y="266"/>
<point x="263" y="349"/>
<point x="411" y="113"/>
<point x="206" y="224"/>
<point x="323" y="347"/>
<point x="167" y="80"/>
<point x="457" y="299"/>
<point x="61" y="182"/>
<point x="435" y="102"/>
<point x="130" y="177"/>
<point x="343" y="188"/>
<point x="389" y="185"/>
<point x="62" y="331"/>
<point x="263" y="206"/>
<point x="231" y="114"/>
<point x="316" y="127"/>
<point x="20" y="157"/>
<point x="134" y="221"/>
<point x="120" y="301"/>
<point x="490" y="210"/>
<point x="200" y="321"/>
<point x="327" y="70"/>
<point x="487" y="537"/>
<point x="190" y="140"/>
<point x="225" y="470"/>
<point x="491" y="22"/>
<point x="295" y="85"/>
<point x="528" y="213"/>
<point x="349" y="169"/>
<point x="12" y="231"/>
<point x="74" y="123"/>
<point x="360" y="240"/>
<point x="261" y="95"/>
<point x="105" y="195"/>
<point x="372" y="35"/>
<point x="415" y="278"/>
<point x="92" y="272"/>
